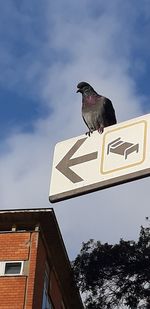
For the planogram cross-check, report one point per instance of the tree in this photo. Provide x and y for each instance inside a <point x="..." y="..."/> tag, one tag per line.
<point x="115" y="276"/>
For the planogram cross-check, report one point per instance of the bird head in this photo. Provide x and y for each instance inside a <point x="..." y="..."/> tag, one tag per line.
<point x="84" y="88"/>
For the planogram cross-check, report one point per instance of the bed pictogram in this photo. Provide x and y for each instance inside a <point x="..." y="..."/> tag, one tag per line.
<point x="122" y="148"/>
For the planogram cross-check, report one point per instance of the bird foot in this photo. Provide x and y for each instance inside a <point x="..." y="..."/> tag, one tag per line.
<point x="89" y="133"/>
<point x="101" y="129"/>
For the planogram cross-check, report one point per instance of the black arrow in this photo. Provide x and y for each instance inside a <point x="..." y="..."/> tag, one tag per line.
<point x="65" y="164"/>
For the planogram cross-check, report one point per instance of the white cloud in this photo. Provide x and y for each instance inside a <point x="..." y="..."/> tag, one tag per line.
<point x="94" y="48"/>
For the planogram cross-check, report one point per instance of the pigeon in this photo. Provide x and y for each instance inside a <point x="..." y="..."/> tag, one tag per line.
<point x="97" y="110"/>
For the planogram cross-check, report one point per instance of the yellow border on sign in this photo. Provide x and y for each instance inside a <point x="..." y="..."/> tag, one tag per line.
<point x="127" y="166"/>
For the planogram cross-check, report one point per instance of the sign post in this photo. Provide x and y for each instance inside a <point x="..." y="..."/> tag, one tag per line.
<point x="86" y="164"/>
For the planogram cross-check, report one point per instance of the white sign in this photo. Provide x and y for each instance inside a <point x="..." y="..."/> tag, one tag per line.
<point x="88" y="163"/>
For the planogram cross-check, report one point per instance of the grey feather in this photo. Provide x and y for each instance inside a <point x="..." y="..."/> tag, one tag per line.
<point x="97" y="110"/>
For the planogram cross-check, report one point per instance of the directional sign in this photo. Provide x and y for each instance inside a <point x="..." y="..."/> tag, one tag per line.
<point x="88" y="163"/>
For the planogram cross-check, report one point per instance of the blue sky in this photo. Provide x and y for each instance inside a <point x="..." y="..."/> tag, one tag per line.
<point x="46" y="48"/>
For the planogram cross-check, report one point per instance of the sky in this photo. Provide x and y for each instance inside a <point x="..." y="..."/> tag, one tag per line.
<point x="46" y="49"/>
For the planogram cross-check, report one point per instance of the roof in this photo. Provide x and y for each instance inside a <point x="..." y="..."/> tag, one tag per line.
<point x="29" y="219"/>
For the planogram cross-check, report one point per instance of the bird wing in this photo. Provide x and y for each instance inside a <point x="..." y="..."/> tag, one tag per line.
<point x="109" y="112"/>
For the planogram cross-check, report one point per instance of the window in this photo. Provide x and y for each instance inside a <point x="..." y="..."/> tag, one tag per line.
<point x="11" y="268"/>
<point x="47" y="304"/>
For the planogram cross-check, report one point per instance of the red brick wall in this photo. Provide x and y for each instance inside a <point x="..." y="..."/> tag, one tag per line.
<point x="14" y="246"/>
<point x="17" y="292"/>
<point x="21" y="292"/>
<point x="12" y="292"/>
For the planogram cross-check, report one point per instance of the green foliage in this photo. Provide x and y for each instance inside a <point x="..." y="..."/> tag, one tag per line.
<point x="115" y="276"/>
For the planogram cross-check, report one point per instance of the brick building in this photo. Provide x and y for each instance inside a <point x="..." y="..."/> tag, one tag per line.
<point x="35" y="271"/>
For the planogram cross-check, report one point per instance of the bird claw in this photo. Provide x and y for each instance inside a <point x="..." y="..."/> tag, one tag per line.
<point x="89" y="133"/>
<point x="101" y="129"/>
